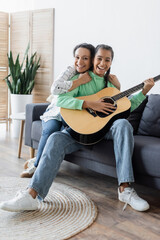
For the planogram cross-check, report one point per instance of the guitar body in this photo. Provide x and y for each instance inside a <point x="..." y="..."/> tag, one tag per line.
<point x="88" y="128"/>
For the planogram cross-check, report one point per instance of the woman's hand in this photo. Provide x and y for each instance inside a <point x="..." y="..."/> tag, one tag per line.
<point x="114" y="80"/>
<point x="84" y="78"/>
<point x="100" y="106"/>
<point x="148" y="84"/>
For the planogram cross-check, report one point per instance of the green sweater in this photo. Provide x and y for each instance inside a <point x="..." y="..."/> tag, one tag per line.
<point x="68" y="100"/>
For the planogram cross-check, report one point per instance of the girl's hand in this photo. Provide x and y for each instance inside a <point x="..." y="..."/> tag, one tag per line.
<point x="99" y="106"/>
<point x="148" y="84"/>
<point x="84" y="78"/>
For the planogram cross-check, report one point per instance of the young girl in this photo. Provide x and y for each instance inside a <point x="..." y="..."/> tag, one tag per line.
<point x="51" y="119"/>
<point x="61" y="143"/>
<point x="120" y="131"/>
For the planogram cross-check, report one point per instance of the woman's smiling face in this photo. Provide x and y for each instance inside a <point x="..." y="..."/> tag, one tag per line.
<point x="82" y="60"/>
<point x="102" y="62"/>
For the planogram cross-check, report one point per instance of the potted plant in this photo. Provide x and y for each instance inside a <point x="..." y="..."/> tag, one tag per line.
<point x="21" y="80"/>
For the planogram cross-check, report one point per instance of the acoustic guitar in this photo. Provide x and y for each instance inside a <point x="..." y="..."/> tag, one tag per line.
<point x="88" y="126"/>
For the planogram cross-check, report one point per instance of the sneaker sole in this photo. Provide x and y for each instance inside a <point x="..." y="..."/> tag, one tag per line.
<point x="18" y="210"/>
<point x="144" y="209"/>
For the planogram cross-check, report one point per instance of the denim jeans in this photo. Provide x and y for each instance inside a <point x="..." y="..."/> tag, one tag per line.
<point x="48" y="128"/>
<point x="61" y="143"/>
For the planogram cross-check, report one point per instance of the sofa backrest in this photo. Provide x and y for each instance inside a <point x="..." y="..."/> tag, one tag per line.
<point x="150" y="120"/>
<point x="135" y="116"/>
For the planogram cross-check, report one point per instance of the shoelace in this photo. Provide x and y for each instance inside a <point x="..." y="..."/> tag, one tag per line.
<point x="31" y="162"/>
<point x="19" y="193"/>
<point x="31" y="169"/>
<point x="130" y="195"/>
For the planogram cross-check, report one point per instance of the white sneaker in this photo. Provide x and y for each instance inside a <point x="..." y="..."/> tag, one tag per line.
<point x="28" y="173"/>
<point x="23" y="201"/>
<point x="29" y="163"/>
<point x="129" y="196"/>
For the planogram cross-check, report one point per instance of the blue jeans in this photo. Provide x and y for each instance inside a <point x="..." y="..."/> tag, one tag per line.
<point x="48" y="128"/>
<point x="61" y="143"/>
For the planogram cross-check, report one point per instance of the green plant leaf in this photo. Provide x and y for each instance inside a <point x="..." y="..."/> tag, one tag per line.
<point x="21" y="79"/>
<point x="18" y="87"/>
<point x="9" y="85"/>
<point x="30" y="87"/>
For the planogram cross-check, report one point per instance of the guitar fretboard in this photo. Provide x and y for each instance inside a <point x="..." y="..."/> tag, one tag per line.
<point x="132" y="90"/>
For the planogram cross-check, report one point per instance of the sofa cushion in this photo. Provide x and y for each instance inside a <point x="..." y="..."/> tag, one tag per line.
<point x="150" y="121"/>
<point x="36" y="130"/>
<point x="146" y="154"/>
<point x="135" y="116"/>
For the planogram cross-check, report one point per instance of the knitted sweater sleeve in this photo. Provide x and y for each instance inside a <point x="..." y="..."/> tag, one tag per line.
<point x="62" y="83"/>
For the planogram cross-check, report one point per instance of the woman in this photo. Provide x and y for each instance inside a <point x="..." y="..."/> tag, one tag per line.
<point x="51" y="119"/>
<point x="61" y="143"/>
<point x="123" y="146"/>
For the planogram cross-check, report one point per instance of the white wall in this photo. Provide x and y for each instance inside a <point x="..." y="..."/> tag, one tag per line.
<point x="16" y="5"/>
<point x="131" y="27"/>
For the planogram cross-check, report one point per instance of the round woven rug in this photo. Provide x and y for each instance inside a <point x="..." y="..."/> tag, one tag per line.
<point x="65" y="212"/>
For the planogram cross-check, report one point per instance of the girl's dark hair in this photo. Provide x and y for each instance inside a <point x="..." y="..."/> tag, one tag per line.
<point x="88" y="46"/>
<point x="106" y="47"/>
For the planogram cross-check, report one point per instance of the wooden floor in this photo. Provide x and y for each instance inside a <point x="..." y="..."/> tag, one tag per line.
<point x="112" y="223"/>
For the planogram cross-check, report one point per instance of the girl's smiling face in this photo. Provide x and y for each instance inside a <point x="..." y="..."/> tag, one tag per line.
<point x="82" y="60"/>
<point x="102" y="62"/>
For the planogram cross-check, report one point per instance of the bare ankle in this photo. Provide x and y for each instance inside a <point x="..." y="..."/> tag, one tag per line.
<point x="123" y="186"/>
<point x="32" y="192"/>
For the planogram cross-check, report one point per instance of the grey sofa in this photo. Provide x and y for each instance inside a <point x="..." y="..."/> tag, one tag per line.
<point x="100" y="157"/>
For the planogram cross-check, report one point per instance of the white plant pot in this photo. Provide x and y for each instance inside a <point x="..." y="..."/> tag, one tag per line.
<point x="18" y="104"/>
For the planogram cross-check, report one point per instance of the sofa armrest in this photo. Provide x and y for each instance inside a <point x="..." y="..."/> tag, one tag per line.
<point x="33" y="113"/>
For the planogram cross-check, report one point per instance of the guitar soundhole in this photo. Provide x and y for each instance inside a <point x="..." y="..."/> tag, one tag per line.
<point x="108" y="100"/>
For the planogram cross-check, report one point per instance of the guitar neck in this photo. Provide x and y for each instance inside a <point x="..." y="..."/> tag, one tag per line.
<point x="132" y="90"/>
